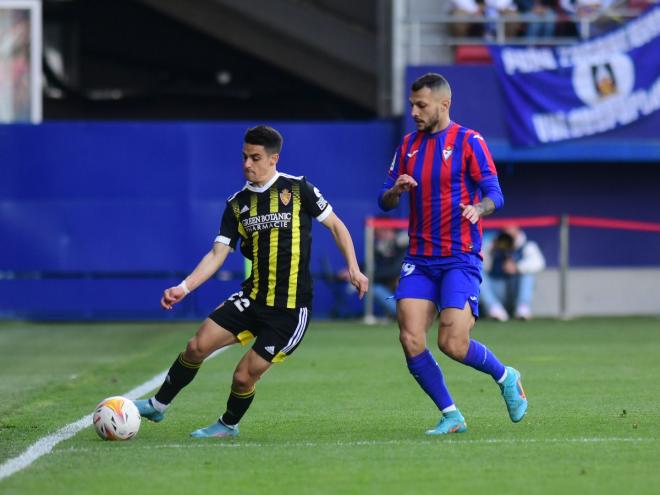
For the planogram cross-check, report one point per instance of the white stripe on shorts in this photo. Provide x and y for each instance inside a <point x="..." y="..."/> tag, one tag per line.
<point x="300" y="331"/>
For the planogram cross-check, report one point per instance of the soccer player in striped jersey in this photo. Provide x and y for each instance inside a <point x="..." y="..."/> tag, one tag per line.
<point x="451" y="182"/>
<point x="271" y="217"/>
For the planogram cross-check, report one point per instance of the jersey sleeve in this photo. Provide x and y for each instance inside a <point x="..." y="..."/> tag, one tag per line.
<point x="313" y="201"/>
<point x="482" y="169"/>
<point x="229" y="233"/>
<point x="392" y="174"/>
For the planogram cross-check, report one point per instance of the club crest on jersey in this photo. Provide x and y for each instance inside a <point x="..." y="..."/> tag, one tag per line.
<point x="446" y="153"/>
<point x="285" y="196"/>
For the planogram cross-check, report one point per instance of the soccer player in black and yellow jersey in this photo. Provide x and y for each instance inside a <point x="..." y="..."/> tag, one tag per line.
<point x="271" y="218"/>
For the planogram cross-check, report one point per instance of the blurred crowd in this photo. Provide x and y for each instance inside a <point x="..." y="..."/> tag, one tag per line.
<point x="537" y="18"/>
<point x="15" y="101"/>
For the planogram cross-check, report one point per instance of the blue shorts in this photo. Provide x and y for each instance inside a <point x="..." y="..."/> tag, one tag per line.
<point x="449" y="281"/>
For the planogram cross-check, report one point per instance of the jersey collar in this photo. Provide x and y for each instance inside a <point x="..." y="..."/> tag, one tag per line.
<point x="442" y="131"/>
<point x="253" y="188"/>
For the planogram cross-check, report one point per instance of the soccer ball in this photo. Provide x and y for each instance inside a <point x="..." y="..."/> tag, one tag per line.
<point x="116" y="418"/>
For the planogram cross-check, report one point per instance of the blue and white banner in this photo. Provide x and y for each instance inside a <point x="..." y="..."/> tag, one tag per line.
<point x="554" y="94"/>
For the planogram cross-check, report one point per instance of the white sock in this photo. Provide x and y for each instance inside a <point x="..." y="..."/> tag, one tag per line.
<point x="451" y="408"/>
<point x="158" y="406"/>
<point x="501" y="380"/>
<point x="233" y="427"/>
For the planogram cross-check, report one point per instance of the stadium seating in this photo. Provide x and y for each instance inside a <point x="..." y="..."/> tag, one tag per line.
<point x="472" y="54"/>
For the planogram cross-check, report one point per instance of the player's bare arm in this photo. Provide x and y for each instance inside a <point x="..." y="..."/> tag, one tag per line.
<point x="209" y="264"/>
<point x="345" y="243"/>
<point x="474" y="212"/>
<point x="404" y="183"/>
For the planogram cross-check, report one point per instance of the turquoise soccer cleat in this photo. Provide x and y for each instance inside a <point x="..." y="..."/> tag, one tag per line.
<point x="514" y="395"/>
<point x="148" y="411"/>
<point x="451" y="422"/>
<point x="217" y="430"/>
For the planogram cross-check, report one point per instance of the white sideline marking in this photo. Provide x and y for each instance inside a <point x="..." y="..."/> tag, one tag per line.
<point x="215" y="444"/>
<point x="45" y="445"/>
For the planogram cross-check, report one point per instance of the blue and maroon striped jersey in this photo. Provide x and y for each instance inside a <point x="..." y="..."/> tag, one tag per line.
<point x="451" y="166"/>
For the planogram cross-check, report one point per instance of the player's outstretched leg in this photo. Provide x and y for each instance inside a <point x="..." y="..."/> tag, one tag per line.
<point x="454" y="340"/>
<point x="247" y="373"/>
<point x="514" y="394"/>
<point x="209" y="337"/>
<point x="180" y="374"/>
<point x="481" y="358"/>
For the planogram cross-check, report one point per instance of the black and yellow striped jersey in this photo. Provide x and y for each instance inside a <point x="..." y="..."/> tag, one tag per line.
<point x="274" y="226"/>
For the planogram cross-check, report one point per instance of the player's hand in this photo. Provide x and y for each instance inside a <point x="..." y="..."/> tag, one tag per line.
<point x="172" y="296"/>
<point x="359" y="281"/>
<point x="509" y="267"/>
<point x="471" y="212"/>
<point x="404" y="183"/>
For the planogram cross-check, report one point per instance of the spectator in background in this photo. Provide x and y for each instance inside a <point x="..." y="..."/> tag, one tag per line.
<point x="389" y="249"/>
<point x="467" y="8"/>
<point x="505" y="9"/>
<point x="587" y="8"/>
<point x="541" y="15"/>
<point x="584" y="7"/>
<point x="511" y="262"/>
<point x="484" y="9"/>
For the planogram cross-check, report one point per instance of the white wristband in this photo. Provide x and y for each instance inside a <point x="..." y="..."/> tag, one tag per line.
<point x="184" y="286"/>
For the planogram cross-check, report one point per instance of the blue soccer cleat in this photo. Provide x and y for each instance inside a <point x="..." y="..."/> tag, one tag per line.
<point x="217" y="430"/>
<point x="147" y="410"/>
<point x="514" y="395"/>
<point x="451" y="422"/>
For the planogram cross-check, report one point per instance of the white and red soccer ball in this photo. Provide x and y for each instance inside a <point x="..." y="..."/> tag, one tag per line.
<point x="116" y="418"/>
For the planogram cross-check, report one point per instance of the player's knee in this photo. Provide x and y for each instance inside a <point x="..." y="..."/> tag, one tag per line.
<point x="412" y="343"/>
<point x="455" y="347"/>
<point x="243" y="380"/>
<point x="194" y="352"/>
<point x="453" y="340"/>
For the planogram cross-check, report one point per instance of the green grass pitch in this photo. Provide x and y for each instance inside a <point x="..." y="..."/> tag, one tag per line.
<point x="342" y="415"/>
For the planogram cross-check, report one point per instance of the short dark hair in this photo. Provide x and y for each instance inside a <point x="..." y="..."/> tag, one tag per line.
<point x="265" y="136"/>
<point x="503" y="241"/>
<point x="431" y="80"/>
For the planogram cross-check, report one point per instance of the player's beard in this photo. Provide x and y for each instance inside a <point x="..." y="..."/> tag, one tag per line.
<point x="433" y="124"/>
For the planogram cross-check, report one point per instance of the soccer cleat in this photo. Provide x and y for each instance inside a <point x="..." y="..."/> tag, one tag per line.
<point x="514" y="395"/>
<point x="451" y="422"/>
<point x="217" y="430"/>
<point x="148" y="411"/>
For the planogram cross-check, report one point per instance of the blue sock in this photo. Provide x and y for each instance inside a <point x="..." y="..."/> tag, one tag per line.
<point x="481" y="358"/>
<point x="427" y="372"/>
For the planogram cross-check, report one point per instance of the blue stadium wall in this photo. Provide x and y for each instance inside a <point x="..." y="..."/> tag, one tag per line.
<point x="96" y="219"/>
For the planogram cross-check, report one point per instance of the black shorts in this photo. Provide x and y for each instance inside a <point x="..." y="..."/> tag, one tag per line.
<point x="278" y="332"/>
